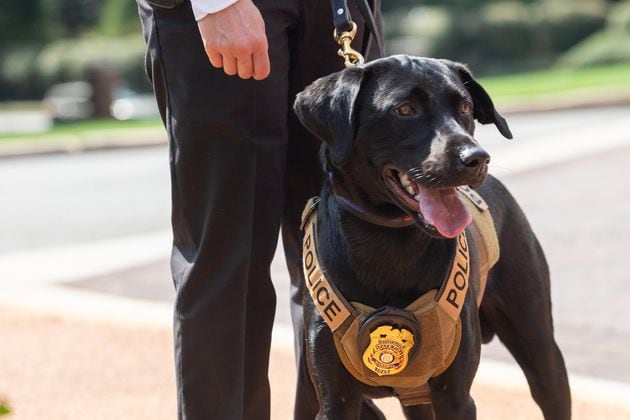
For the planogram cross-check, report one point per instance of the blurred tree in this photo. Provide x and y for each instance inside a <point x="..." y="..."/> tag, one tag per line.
<point x="79" y="14"/>
<point x="20" y="21"/>
<point x="390" y="5"/>
<point x="68" y="18"/>
<point x="119" y="17"/>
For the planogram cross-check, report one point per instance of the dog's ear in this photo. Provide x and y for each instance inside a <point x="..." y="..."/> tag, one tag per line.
<point x="327" y="108"/>
<point x="483" y="108"/>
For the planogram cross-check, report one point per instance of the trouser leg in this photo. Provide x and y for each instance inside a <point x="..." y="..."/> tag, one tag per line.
<point x="303" y="180"/>
<point x="314" y="56"/>
<point x="227" y="151"/>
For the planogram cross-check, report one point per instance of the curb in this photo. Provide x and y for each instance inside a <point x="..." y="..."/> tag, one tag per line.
<point x="138" y="138"/>
<point x="104" y="140"/>
<point x="579" y="99"/>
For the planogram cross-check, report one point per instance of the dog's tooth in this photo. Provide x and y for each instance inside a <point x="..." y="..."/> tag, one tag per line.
<point x="406" y="183"/>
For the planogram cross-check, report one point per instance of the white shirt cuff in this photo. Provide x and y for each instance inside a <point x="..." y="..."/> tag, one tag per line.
<point x="201" y="8"/>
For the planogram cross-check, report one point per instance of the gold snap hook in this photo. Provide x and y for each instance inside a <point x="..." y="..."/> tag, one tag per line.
<point x="351" y="57"/>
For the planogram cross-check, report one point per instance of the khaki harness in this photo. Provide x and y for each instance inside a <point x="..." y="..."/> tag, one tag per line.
<point x="402" y="348"/>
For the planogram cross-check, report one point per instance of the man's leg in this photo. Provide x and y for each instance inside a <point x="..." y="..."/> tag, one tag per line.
<point x="314" y="56"/>
<point x="227" y="148"/>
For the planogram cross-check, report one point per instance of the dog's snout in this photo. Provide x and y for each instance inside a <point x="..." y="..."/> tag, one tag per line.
<point x="474" y="157"/>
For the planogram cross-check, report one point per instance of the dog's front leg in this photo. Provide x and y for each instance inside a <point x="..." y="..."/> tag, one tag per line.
<point x="419" y="412"/>
<point x="337" y="391"/>
<point x="450" y="392"/>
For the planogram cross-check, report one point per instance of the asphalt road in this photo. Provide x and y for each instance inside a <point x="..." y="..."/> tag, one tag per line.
<point x="64" y="199"/>
<point x="564" y="168"/>
<point x="68" y="199"/>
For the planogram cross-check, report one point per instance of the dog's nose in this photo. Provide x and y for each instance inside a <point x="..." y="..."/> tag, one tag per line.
<point x="474" y="157"/>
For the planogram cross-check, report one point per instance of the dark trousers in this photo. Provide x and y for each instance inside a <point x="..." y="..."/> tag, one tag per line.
<point x="241" y="165"/>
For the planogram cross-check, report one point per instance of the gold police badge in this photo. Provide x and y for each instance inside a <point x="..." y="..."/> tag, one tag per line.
<point x="388" y="351"/>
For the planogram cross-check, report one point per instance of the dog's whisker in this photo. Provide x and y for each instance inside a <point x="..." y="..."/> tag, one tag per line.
<point x="416" y="174"/>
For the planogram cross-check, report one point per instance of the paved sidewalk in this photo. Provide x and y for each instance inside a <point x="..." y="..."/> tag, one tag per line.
<point x="60" y="365"/>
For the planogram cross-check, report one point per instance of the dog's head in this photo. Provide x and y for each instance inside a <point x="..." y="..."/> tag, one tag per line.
<point x="398" y="136"/>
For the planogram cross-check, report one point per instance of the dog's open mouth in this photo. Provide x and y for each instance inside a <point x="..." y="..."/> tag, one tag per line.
<point x="440" y="208"/>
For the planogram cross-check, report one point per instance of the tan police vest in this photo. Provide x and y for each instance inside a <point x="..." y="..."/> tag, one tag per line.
<point x="402" y="348"/>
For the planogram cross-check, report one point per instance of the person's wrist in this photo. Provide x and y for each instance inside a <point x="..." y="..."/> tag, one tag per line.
<point x="203" y="8"/>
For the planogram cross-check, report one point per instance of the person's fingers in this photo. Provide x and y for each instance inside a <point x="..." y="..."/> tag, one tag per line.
<point x="215" y="58"/>
<point x="229" y="65"/>
<point x="245" y="68"/>
<point x="261" y="64"/>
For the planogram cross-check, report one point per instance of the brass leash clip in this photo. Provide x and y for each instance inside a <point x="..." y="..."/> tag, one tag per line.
<point x="351" y="57"/>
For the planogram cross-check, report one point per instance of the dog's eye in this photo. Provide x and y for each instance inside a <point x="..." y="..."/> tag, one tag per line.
<point x="405" y="110"/>
<point x="465" y="107"/>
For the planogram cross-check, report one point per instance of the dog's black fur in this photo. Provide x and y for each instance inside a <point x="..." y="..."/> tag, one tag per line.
<point x="357" y="114"/>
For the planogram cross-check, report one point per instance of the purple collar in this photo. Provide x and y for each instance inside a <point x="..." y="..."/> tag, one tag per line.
<point x="361" y="213"/>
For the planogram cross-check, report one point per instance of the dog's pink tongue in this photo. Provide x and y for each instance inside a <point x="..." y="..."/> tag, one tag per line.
<point x="443" y="209"/>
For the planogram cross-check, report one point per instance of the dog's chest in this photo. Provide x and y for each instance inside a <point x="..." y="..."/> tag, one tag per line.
<point x="384" y="267"/>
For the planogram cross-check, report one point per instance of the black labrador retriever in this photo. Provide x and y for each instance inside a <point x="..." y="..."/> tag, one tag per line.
<point x="398" y="140"/>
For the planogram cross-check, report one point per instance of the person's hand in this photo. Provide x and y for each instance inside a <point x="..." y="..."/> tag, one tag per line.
<point x="234" y="38"/>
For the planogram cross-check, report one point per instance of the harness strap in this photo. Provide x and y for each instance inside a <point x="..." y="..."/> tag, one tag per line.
<point x="443" y="305"/>
<point x="414" y="396"/>
<point x="332" y="306"/>
<point x="336" y="310"/>
<point x="484" y="234"/>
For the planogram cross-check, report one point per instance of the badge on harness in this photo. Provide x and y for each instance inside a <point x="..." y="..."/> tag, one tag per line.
<point x="388" y="351"/>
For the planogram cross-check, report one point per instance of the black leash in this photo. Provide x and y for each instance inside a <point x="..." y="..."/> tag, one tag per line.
<point x="345" y="30"/>
<point x="370" y="21"/>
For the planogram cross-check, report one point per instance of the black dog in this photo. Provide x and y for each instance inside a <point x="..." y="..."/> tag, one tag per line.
<point x="397" y="140"/>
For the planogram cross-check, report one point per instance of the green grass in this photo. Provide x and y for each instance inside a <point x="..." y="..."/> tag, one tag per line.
<point x="81" y="128"/>
<point x="100" y="125"/>
<point x="527" y="85"/>
<point x="20" y="106"/>
<point x="4" y="409"/>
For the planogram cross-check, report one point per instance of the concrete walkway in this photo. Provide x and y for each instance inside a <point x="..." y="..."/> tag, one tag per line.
<point x="74" y="354"/>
